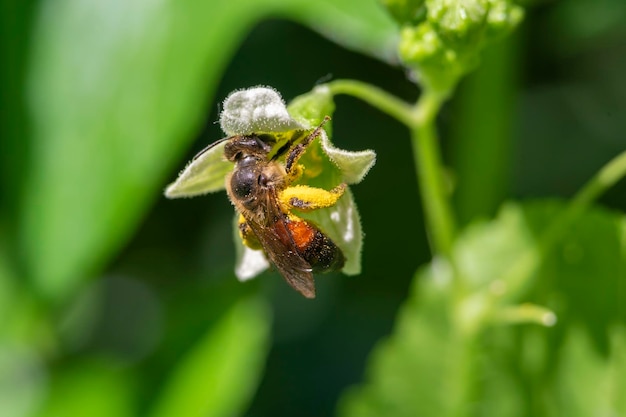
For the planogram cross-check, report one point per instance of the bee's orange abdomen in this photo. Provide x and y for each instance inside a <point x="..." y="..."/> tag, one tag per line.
<point x="302" y="233"/>
<point x="315" y="247"/>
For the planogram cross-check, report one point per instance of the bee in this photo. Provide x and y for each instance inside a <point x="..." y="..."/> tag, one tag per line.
<point x="260" y="187"/>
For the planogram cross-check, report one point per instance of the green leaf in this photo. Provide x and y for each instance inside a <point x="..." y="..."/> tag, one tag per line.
<point x="589" y="384"/>
<point x="7" y="286"/>
<point x="90" y="388"/>
<point x="422" y="368"/>
<point x="219" y="375"/>
<point x="362" y="25"/>
<point x="457" y="352"/>
<point x="117" y="89"/>
<point x="23" y="379"/>
<point x="486" y="249"/>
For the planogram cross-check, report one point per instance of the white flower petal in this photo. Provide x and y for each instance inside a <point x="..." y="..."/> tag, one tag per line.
<point x="353" y="165"/>
<point x="251" y="264"/>
<point x="202" y="175"/>
<point x="256" y="110"/>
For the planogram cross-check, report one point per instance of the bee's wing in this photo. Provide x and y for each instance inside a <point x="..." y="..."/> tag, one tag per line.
<point x="279" y="246"/>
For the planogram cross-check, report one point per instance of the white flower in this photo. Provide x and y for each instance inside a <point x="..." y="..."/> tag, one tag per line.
<point x="262" y="110"/>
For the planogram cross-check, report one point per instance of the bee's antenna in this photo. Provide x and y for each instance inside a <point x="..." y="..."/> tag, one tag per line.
<point x="324" y="79"/>
<point x="316" y="132"/>
<point x="217" y="142"/>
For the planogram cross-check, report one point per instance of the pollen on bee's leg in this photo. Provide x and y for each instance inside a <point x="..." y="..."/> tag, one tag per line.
<point x="247" y="235"/>
<point x="295" y="173"/>
<point x="303" y="197"/>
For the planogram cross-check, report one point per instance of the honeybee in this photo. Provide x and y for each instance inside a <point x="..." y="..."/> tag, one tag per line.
<point x="260" y="187"/>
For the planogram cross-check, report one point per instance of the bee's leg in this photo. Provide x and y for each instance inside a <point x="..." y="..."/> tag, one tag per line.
<point x="305" y="198"/>
<point x="291" y="163"/>
<point x="247" y="235"/>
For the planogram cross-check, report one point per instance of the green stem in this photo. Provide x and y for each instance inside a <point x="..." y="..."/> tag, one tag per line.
<point x="375" y="97"/>
<point x="429" y="168"/>
<point x="604" y="179"/>
<point x="420" y="119"/>
<point x="526" y="313"/>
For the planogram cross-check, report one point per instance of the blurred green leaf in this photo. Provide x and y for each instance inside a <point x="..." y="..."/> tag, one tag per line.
<point x="362" y="25"/>
<point x="435" y="364"/>
<point x="22" y="379"/>
<point x="589" y="384"/>
<point x="90" y="388"/>
<point x="7" y="285"/>
<point x="583" y="278"/>
<point x="422" y="369"/>
<point x="218" y="377"/>
<point x="486" y="248"/>
<point x="117" y="90"/>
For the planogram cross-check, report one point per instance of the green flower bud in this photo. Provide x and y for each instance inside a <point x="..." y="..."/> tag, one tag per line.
<point x="458" y="22"/>
<point x="503" y="17"/>
<point x="435" y="65"/>
<point x="406" y="12"/>
<point x="447" y="45"/>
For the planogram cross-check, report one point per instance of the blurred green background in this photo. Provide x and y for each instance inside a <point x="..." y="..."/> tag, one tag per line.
<point x="116" y="302"/>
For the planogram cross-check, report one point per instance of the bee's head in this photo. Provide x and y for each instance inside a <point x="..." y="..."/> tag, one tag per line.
<point x="243" y="147"/>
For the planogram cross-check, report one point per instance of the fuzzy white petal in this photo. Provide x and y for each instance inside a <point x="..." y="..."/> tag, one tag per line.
<point x="354" y="166"/>
<point x="251" y="264"/>
<point x="256" y="110"/>
<point x="202" y="175"/>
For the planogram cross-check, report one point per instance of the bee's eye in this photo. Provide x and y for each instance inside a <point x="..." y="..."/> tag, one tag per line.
<point x="262" y="180"/>
<point x="243" y="183"/>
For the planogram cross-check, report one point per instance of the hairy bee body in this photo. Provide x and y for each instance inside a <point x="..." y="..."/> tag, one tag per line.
<point x="296" y="247"/>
